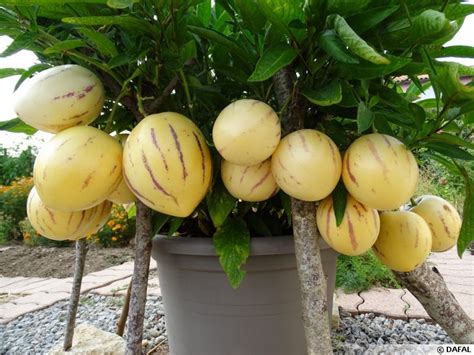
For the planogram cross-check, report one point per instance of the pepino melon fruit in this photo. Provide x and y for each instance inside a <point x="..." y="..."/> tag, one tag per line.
<point x="358" y="230"/>
<point x="404" y="241"/>
<point x="442" y="218"/>
<point x="246" y="132"/>
<point x="167" y="164"/>
<point x="249" y="183"/>
<point x="58" y="225"/>
<point x="59" y="98"/>
<point x="100" y="217"/>
<point x="379" y="171"/>
<point x="307" y="165"/>
<point x="78" y="169"/>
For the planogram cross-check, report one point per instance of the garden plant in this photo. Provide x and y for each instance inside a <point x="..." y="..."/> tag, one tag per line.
<point x="242" y="115"/>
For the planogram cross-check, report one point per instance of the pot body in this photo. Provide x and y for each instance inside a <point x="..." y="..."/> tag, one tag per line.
<point x="206" y="316"/>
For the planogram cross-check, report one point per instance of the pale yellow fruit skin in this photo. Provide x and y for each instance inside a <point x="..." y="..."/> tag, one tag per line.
<point x="122" y="194"/>
<point x="404" y="240"/>
<point x="100" y="218"/>
<point x="358" y="230"/>
<point x="249" y="183"/>
<point x="167" y="164"/>
<point x="379" y="171"/>
<point x="78" y="169"/>
<point x="57" y="225"/>
<point x="307" y="165"/>
<point x="59" y="98"/>
<point x="246" y="132"/>
<point x="442" y="218"/>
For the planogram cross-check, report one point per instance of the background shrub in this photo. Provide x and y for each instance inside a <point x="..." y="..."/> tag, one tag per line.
<point x="33" y="239"/>
<point x="15" y="164"/>
<point x="118" y="231"/>
<point x="13" y="199"/>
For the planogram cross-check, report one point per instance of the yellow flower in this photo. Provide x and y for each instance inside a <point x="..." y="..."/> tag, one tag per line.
<point x="111" y="223"/>
<point x="114" y="239"/>
<point x="117" y="226"/>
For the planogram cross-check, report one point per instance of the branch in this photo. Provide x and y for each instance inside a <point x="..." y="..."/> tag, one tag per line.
<point x="155" y="104"/>
<point x="305" y="233"/>
<point x="81" y="251"/>
<point x="427" y="285"/>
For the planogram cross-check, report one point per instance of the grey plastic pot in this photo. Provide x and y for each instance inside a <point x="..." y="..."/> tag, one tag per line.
<point x="205" y="316"/>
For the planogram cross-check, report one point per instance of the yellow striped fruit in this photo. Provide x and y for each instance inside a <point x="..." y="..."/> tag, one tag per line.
<point x="57" y="225"/>
<point x="246" y="132"/>
<point x="379" y="171"/>
<point x="78" y="169"/>
<point x="249" y="183"/>
<point x="358" y="230"/>
<point x="122" y="194"/>
<point x="404" y="240"/>
<point x="307" y="165"/>
<point x="442" y="218"/>
<point x="167" y="164"/>
<point x="59" y="98"/>
<point x="100" y="218"/>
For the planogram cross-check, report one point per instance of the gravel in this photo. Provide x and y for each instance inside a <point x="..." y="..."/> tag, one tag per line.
<point x="37" y="332"/>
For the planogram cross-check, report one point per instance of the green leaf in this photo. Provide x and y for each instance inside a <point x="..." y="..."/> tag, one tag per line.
<point x="450" y="139"/>
<point x="253" y="18"/>
<point x="458" y="11"/>
<point x="16" y="125"/>
<point x="446" y="77"/>
<point x="175" y="223"/>
<point x="220" y="204"/>
<point x="23" y="41"/>
<point x="30" y="71"/>
<point x="6" y="72"/>
<point x="367" y="70"/>
<point x="449" y="150"/>
<point x="339" y="198"/>
<point x="125" y="21"/>
<point x="366" y="20"/>
<point x="232" y="245"/>
<point x="120" y="4"/>
<point x="332" y="45"/>
<point x="365" y="117"/>
<point x="428" y="26"/>
<point x="158" y="221"/>
<point x="103" y="44"/>
<point x="355" y="43"/>
<point x="272" y="60"/>
<point x="132" y="212"/>
<point x="281" y="12"/>
<point x="346" y="7"/>
<point x="328" y="95"/>
<point x="453" y="51"/>
<point x="286" y="203"/>
<point x="466" y="236"/>
<point x="217" y="37"/>
<point x="64" y="46"/>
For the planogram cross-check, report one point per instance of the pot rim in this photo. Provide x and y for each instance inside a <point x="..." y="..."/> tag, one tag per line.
<point x="275" y="245"/>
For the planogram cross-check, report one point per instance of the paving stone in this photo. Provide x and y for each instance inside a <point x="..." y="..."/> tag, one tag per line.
<point x="102" y="280"/>
<point x="109" y="272"/>
<point x="384" y="301"/>
<point x="8" y="283"/>
<point x="5" y="281"/>
<point x="125" y="266"/>
<point x="348" y="301"/>
<point x="43" y="299"/>
<point x="457" y="288"/>
<point x="114" y="287"/>
<point x="11" y="310"/>
<point x="54" y="285"/>
<point x="30" y="287"/>
<point x="5" y="320"/>
<point x="153" y="291"/>
<point x="415" y="309"/>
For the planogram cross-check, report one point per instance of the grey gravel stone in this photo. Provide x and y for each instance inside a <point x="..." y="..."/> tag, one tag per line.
<point x="37" y="332"/>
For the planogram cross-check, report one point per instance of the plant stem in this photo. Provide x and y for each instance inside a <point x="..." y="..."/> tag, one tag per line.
<point x="81" y="251"/>
<point x="141" y="270"/>
<point x="305" y="233"/>
<point x="186" y="92"/>
<point x="123" y="316"/>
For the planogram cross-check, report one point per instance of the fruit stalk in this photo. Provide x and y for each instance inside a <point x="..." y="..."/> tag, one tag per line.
<point x="125" y="308"/>
<point x="305" y="234"/>
<point x="141" y="270"/>
<point x="81" y="252"/>
<point x="427" y="285"/>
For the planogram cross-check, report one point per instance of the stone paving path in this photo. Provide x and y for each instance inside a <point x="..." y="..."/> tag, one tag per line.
<point x="20" y="295"/>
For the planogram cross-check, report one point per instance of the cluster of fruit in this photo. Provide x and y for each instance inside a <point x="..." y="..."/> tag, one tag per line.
<point x="166" y="164"/>
<point x="78" y="173"/>
<point x="378" y="171"/>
